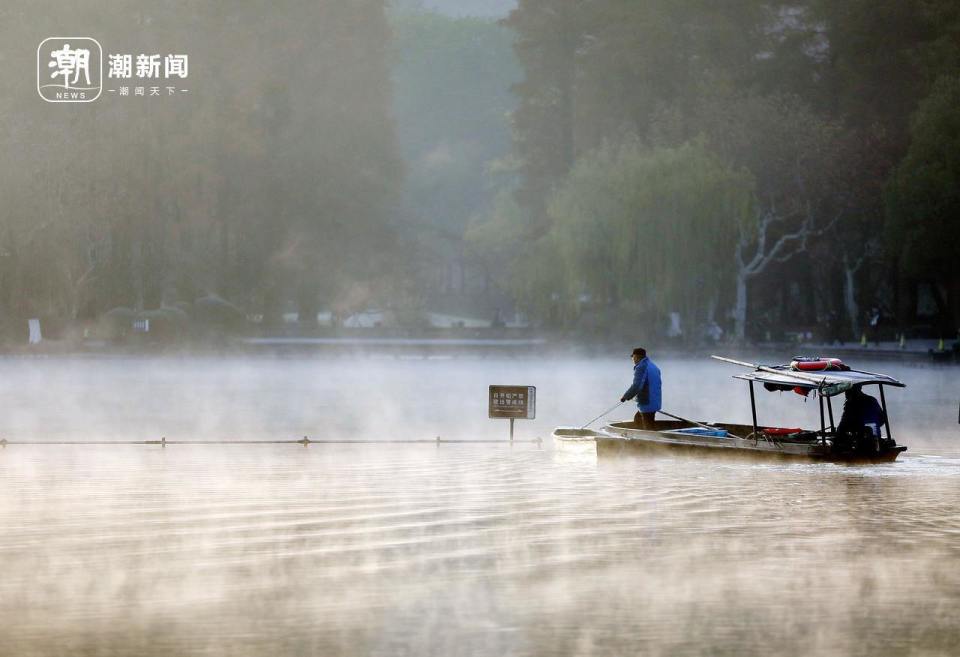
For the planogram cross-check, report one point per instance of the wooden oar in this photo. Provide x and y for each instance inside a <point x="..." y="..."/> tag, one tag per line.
<point x="606" y="412"/>
<point x="683" y="419"/>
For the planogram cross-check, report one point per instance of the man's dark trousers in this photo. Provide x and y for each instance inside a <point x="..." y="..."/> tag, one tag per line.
<point x="645" y="420"/>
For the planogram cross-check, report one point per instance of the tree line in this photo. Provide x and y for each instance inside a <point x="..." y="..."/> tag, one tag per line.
<point x="752" y="165"/>
<point x="271" y="183"/>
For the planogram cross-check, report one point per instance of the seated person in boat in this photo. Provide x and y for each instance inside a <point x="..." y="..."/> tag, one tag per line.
<point x="645" y="387"/>
<point x="860" y="423"/>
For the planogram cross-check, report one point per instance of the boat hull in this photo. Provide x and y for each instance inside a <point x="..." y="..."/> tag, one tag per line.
<point x="625" y="438"/>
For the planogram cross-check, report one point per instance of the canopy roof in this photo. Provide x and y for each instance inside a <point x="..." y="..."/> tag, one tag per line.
<point x="829" y="383"/>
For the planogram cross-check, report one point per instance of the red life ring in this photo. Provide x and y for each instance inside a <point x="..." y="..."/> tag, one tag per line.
<point x="817" y="364"/>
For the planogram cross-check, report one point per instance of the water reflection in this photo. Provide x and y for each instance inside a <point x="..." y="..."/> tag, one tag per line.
<point x="469" y="550"/>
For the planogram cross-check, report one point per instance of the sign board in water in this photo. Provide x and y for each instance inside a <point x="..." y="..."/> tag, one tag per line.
<point x="512" y="402"/>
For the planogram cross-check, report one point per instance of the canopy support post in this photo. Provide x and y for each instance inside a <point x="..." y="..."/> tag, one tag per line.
<point x="753" y="412"/>
<point x="823" y="424"/>
<point x="886" y="416"/>
<point x="833" y="429"/>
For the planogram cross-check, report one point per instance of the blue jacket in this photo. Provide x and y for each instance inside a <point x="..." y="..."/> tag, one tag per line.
<point x="646" y="386"/>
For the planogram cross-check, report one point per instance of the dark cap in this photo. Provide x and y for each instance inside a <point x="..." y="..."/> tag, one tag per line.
<point x="639" y="351"/>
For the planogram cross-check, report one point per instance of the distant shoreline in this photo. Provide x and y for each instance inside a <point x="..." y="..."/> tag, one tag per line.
<point x="522" y="345"/>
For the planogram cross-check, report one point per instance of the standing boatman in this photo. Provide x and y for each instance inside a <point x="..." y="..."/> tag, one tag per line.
<point x="646" y="388"/>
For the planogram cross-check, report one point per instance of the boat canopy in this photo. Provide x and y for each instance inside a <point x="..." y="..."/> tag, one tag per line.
<point x="830" y="383"/>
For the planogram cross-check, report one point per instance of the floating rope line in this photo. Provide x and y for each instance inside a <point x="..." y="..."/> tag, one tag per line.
<point x="305" y="441"/>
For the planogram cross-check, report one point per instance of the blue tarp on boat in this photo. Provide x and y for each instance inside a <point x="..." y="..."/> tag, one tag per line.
<point x="702" y="431"/>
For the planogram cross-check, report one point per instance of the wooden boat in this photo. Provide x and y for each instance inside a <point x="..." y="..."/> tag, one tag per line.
<point x="823" y="444"/>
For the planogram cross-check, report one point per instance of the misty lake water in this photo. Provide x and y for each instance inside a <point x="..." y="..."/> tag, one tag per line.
<point x="472" y="549"/>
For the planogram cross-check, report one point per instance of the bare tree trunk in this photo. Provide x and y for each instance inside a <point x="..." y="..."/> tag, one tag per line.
<point x="137" y="268"/>
<point x="224" y="257"/>
<point x="787" y="246"/>
<point x="953" y="298"/>
<point x="850" y="295"/>
<point x="740" y="306"/>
